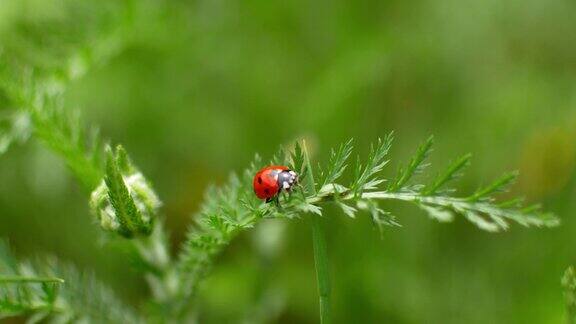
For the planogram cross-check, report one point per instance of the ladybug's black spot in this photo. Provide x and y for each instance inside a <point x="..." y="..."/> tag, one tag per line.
<point x="260" y="180"/>
<point x="267" y="191"/>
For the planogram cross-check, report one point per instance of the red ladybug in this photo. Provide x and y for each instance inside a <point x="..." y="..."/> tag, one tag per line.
<point x="270" y="181"/>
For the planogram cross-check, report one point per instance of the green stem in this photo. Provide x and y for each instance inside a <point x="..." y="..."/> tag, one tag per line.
<point x="20" y="279"/>
<point x="322" y="274"/>
<point x="320" y="251"/>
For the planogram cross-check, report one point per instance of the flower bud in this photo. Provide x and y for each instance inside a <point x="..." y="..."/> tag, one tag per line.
<point x="124" y="202"/>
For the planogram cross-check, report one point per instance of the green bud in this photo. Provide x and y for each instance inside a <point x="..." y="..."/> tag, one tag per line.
<point x="124" y="202"/>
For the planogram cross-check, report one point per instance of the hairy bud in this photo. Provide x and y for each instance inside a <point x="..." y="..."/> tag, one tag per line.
<point x="124" y="202"/>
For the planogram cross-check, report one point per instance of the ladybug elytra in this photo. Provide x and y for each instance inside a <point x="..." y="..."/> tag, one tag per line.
<point x="271" y="180"/>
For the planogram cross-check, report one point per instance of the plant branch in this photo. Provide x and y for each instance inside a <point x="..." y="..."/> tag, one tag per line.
<point x="234" y="208"/>
<point x="22" y="279"/>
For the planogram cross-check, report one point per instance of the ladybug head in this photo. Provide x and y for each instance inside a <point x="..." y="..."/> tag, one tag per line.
<point x="287" y="179"/>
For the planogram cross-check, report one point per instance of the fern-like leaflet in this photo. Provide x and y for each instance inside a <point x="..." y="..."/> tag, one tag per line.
<point x="218" y="225"/>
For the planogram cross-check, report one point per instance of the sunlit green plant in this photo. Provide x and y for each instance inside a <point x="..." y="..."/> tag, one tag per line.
<point x="126" y="206"/>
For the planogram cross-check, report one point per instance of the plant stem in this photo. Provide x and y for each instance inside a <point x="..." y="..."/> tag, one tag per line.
<point x="321" y="261"/>
<point x="319" y="246"/>
<point x="19" y="279"/>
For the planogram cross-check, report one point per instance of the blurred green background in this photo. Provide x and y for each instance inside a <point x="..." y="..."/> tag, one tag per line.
<point x="203" y="85"/>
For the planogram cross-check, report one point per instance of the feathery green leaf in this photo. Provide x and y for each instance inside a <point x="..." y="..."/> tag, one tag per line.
<point x="298" y="164"/>
<point x="376" y="162"/>
<point x="500" y="185"/>
<point x="453" y="172"/>
<point x="32" y="289"/>
<point x="338" y="163"/>
<point x="415" y="166"/>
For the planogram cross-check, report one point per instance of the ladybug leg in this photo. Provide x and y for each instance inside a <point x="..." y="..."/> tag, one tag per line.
<point x="269" y="200"/>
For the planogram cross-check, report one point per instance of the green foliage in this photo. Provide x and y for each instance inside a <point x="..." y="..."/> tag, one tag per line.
<point x="376" y="161"/>
<point x="569" y="284"/>
<point x="35" y="84"/>
<point x="338" y="161"/>
<point x="234" y="207"/>
<point x="65" y="135"/>
<point x="224" y="213"/>
<point x="32" y="288"/>
<point x="125" y="203"/>
<point x="84" y="298"/>
<point x="415" y="167"/>
<point x="18" y="296"/>
<point x="453" y="172"/>
<point x="499" y="185"/>
<point x="479" y="208"/>
<point x="39" y="101"/>
<point x="298" y="164"/>
<point x="33" y="88"/>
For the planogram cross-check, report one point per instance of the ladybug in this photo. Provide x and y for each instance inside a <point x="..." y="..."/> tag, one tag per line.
<point x="271" y="180"/>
